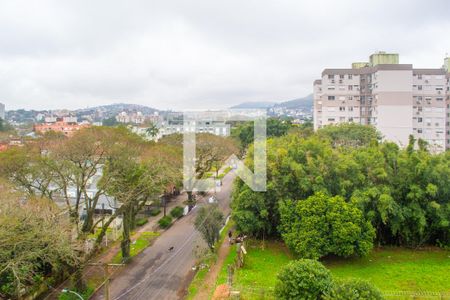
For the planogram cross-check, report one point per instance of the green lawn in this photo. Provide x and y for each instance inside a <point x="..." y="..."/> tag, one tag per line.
<point x="390" y="269"/>
<point x="399" y="269"/>
<point x="144" y="240"/>
<point x="262" y="264"/>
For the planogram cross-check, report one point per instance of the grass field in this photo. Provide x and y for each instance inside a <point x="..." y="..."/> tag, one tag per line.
<point x="390" y="269"/>
<point x="142" y="242"/>
<point x="399" y="269"/>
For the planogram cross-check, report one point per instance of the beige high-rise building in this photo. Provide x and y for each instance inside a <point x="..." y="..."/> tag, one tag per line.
<point x="395" y="98"/>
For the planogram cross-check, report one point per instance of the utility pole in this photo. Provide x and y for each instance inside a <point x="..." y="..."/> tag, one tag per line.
<point x="106" y="275"/>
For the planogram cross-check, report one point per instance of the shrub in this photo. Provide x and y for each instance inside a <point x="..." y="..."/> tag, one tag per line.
<point x="165" y="222"/>
<point x="141" y="221"/>
<point x="154" y="212"/>
<point x="354" y="289"/>
<point x="303" y="279"/>
<point x="177" y="212"/>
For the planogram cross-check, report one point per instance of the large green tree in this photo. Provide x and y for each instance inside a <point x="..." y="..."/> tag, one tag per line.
<point x="208" y="222"/>
<point x="134" y="181"/>
<point x="322" y="225"/>
<point x="404" y="193"/>
<point x="244" y="132"/>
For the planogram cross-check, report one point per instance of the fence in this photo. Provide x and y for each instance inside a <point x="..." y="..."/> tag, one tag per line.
<point x="267" y="293"/>
<point x="416" y="295"/>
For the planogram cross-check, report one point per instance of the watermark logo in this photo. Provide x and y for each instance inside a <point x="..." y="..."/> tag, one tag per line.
<point x="217" y="122"/>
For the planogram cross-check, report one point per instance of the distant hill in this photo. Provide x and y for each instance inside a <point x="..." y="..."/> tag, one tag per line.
<point x="119" y="107"/>
<point x="305" y="102"/>
<point x="96" y="113"/>
<point x="254" y="105"/>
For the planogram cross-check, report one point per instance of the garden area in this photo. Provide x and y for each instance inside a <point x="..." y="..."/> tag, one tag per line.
<point x="334" y="197"/>
<point x="390" y="269"/>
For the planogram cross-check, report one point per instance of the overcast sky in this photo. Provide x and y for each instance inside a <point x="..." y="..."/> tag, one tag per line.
<point x="200" y="53"/>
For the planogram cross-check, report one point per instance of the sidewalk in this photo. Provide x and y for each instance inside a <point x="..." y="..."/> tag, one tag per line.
<point x="152" y="225"/>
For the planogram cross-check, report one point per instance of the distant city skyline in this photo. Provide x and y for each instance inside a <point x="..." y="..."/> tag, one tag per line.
<point x="200" y="54"/>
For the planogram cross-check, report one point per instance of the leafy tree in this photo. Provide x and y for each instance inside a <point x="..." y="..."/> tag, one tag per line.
<point x="244" y="132"/>
<point x="323" y="225"/>
<point x="252" y="212"/>
<point x="303" y="279"/>
<point x="35" y="242"/>
<point x="110" y="122"/>
<point x="208" y="222"/>
<point x="354" y="289"/>
<point x="350" y="134"/>
<point x="211" y="152"/>
<point x="134" y="181"/>
<point x="404" y="193"/>
<point x="54" y="165"/>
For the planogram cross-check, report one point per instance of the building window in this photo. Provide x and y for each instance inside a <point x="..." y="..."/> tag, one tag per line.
<point x="419" y="120"/>
<point x="342" y="108"/>
<point x="419" y="130"/>
<point x="419" y="87"/>
<point x="331" y="87"/>
<point x="341" y="76"/>
<point x="331" y="98"/>
<point x="419" y="76"/>
<point x="350" y="76"/>
<point x="350" y="97"/>
<point x="350" y="87"/>
<point x="330" y="76"/>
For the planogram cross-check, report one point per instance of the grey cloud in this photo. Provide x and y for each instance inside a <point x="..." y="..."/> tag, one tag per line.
<point x="183" y="54"/>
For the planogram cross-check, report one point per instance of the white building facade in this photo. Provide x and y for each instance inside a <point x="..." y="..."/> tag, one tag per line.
<point x="395" y="98"/>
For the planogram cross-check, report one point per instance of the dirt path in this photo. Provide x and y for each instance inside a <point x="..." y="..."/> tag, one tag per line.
<point x="209" y="283"/>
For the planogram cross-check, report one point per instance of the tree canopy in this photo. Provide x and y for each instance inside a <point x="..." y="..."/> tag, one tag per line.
<point x="403" y="193"/>
<point x="35" y="241"/>
<point x="322" y="225"/>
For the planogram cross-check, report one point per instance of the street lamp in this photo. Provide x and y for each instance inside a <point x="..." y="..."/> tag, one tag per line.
<point x="69" y="291"/>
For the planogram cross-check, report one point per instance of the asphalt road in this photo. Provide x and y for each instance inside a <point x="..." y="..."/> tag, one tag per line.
<point x="158" y="273"/>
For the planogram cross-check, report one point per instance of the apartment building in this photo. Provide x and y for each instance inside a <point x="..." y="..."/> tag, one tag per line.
<point x="397" y="99"/>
